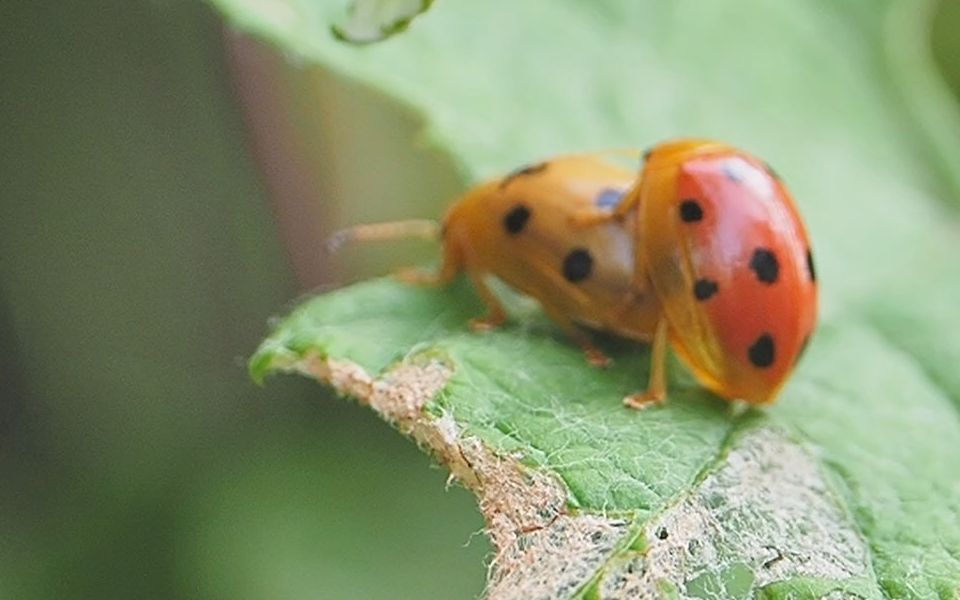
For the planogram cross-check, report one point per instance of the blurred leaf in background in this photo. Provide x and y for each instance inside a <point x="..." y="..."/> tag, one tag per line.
<point x="946" y="42"/>
<point x="139" y="263"/>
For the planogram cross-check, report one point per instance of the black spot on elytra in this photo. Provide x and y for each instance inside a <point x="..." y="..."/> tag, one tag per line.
<point x="516" y="219"/>
<point x="522" y="172"/>
<point x="647" y="153"/>
<point x="577" y="265"/>
<point x="764" y="264"/>
<point x="704" y="288"/>
<point x="662" y="533"/>
<point x="810" y="268"/>
<point x="609" y="198"/>
<point x="762" y="353"/>
<point x="690" y="211"/>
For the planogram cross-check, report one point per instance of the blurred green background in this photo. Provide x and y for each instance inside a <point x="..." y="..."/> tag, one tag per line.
<point x="163" y="185"/>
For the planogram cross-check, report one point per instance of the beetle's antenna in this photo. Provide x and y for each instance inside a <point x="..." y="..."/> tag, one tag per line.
<point x="395" y="230"/>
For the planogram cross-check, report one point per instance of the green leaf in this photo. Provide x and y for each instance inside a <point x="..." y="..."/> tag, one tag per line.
<point x="375" y="20"/>
<point x="851" y="482"/>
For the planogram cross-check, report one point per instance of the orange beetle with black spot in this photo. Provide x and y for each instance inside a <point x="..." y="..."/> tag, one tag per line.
<point x="721" y="243"/>
<point x="521" y="229"/>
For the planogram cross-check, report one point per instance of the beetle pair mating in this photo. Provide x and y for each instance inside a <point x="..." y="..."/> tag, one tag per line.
<point x="706" y="251"/>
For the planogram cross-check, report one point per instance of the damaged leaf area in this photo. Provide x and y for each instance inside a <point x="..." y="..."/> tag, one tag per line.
<point x="848" y="487"/>
<point x="761" y="515"/>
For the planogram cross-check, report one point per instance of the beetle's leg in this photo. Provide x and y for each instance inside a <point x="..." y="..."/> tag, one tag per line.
<point x="417" y="276"/>
<point x="589" y="217"/>
<point x="657" y="387"/>
<point x="496" y="314"/>
<point x="449" y="269"/>
<point x="594" y="355"/>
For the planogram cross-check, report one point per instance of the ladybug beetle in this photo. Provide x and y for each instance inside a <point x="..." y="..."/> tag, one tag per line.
<point x="522" y="229"/>
<point x="720" y="242"/>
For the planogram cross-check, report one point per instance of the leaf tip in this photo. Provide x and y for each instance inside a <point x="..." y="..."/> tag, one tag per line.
<point x="259" y="366"/>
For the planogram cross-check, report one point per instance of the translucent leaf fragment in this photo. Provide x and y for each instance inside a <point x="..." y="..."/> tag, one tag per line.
<point x="370" y="21"/>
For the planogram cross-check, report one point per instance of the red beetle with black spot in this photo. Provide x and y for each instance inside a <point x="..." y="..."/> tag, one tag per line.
<point x="721" y="243"/>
